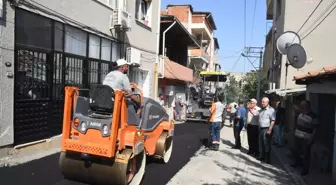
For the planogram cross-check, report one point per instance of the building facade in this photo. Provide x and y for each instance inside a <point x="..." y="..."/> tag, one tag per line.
<point x="47" y="45"/>
<point x="315" y="37"/>
<point x="201" y="25"/>
<point x="314" y="26"/>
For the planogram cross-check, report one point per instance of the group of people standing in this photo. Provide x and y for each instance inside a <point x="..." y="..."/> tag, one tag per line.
<point x="264" y="125"/>
<point x="259" y="124"/>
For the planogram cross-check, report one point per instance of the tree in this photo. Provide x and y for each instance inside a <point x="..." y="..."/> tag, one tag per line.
<point x="250" y="86"/>
<point x="232" y="90"/>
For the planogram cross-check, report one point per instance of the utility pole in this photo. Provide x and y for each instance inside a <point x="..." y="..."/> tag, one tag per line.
<point x="259" y="76"/>
<point x="255" y="52"/>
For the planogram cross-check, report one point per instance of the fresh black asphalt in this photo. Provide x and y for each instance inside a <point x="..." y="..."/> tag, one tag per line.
<point x="45" y="171"/>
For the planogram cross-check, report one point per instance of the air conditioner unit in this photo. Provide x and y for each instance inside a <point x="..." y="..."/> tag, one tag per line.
<point x="133" y="56"/>
<point x="161" y="67"/>
<point x="120" y="20"/>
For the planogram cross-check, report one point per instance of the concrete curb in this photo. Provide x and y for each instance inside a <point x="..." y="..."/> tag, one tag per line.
<point x="12" y="156"/>
<point x="298" y="180"/>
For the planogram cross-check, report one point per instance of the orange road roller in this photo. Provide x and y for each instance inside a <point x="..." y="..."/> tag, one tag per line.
<point x="106" y="138"/>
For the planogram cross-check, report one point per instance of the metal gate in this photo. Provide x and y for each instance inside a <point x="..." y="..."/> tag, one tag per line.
<point x="43" y="68"/>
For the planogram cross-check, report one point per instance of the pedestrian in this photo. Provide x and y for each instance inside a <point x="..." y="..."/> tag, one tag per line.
<point x="252" y="127"/>
<point x="160" y="100"/>
<point x="239" y="120"/>
<point x="304" y="135"/>
<point x="266" y="123"/>
<point x="279" y="121"/>
<point x="177" y="106"/>
<point x="216" y="118"/>
<point x="233" y="111"/>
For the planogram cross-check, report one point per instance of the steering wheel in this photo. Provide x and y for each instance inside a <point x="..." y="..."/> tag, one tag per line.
<point x="135" y="86"/>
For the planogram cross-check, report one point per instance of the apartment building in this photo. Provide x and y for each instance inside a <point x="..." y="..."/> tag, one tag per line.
<point x="202" y="26"/>
<point x="47" y="45"/>
<point x="314" y="25"/>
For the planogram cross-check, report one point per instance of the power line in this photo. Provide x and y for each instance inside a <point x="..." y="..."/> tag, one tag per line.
<point x="234" y="65"/>
<point x="244" y="31"/>
<point x="254" y="14"/>
<point x="310" y="16"/>
<point x="319" y="23"/>
<point x="320" y="16"/>
<point x="233" y="55"/>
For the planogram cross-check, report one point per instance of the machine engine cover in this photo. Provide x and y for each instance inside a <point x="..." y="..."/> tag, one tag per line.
<point x="152" y="114"/>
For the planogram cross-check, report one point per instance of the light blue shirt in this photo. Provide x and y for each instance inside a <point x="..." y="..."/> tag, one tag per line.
<point x="266" y="115"/>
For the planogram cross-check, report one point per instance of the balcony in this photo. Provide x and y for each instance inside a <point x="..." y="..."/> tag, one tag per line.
<point x="269" y="10"/>
<point x="199" y="58"/>
<point x="201" y="29"/>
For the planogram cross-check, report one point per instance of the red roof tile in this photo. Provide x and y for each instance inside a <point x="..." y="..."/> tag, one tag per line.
<point x="316" y="73"/>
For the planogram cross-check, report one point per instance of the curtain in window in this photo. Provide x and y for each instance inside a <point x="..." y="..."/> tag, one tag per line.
<point x="58" y="36"/>
<point x="115" y="51"/>
<point x="94" y="46"/>
<point x="106" y="50"/>
<point x="75" y="41"/>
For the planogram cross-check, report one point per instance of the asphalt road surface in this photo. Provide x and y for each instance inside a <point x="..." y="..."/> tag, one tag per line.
<point x="45" y="171"/>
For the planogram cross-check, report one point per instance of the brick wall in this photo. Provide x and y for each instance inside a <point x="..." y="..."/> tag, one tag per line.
<point x="198" y="19"/>
<point x="180" y="12"/>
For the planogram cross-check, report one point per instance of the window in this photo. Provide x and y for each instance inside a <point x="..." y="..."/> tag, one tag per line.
<point x="143" y="9"/>
<point x="106" y="50"/>
<point x="75" y="41"/>
<point x="94" y="46"/>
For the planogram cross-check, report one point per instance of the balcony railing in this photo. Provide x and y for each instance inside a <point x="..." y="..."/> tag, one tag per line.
<point x="200" y="53"/>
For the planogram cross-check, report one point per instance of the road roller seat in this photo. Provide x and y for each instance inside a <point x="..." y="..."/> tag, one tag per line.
<point x="152" y="115"/>
<point x="102" y="99"/>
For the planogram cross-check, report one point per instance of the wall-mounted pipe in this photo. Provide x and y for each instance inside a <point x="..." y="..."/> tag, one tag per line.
<point x="164" y="39"/>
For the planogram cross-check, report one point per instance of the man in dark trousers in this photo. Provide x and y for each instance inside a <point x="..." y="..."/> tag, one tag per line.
<point x="239" y="120"/>
<point x="266" y="123"/>
<point x="279" y="121"/>
<point x="252" y="127"/>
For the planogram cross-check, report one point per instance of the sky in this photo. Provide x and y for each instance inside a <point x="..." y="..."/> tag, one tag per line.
<point x="229" y="19"/>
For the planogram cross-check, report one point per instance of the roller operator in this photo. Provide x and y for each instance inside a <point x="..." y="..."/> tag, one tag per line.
<point x="118" y="80"/>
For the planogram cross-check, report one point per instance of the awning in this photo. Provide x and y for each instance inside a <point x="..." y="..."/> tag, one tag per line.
<point x="324" y="72"/>
<point x="175" y="71"/>
<point x="284" y="92"/>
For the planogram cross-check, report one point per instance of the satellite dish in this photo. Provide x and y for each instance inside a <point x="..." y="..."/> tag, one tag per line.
<point x="285" y="40"/>
<point x="296" y="56"/>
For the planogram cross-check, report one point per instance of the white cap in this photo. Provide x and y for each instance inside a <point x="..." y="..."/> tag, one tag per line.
<point x="179" y="97"/>
<point x="121" y="62"/>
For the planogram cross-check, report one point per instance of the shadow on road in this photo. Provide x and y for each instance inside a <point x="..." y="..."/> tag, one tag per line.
<point x="45" y="171"/>
<point x="256" y="172"/>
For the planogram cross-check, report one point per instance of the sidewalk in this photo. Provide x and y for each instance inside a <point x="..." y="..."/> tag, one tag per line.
<point x="313" y="178"/>
<point x="230" y="167"/>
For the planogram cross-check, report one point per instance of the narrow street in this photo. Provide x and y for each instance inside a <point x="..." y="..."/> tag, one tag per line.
<point x="230" y="166"/>
<point x="191" y="163"/>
